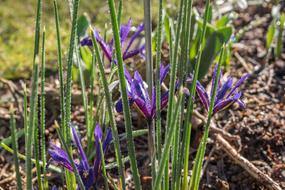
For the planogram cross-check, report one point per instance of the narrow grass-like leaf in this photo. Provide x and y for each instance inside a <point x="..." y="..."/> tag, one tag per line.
<point x="31" y="124"/>
<point x="84" y="97"/>
<point x="33" y="98"/>
<point x="270" y="34"/>
<point x="67" y="150"/>
<point x="25" y="108"/>
<point x="68" y="86"/>
<point x="279" y="46"/>
<point x="23" y="157"/>
<point x="91" y="102"/>
<point x="149" y="80"/>
<point x="190" y="105"/>
<point x="120" y="10"/>
<point x="175" y="161"/>
<point x="103" y="166"/>
<point x="184" y="72"/>
<point x="136" y="133"/>
<point x="37" y="150"/>
<point x="123" y="89"/>
<point x="195" y="179"/>
<point x="173" y="71"/>
<point x="110" y="112"/>
<point x="157" y="82"/>
<point x="166" y="149"/>
<point x="42" y="107"/>
<point x="8" y="140"/>
<point x="15" y="148"/>
<point x="60" y="69"/>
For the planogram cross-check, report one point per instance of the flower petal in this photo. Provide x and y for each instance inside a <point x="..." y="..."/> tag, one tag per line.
<point x="86" y="41"/>
<point x="223" y="90"/>
<point x="107" y="50"/>
<point x="214" y="78"/>
<point x="60" y="157"/>
<point x="82" y="154"/>
<point x="98" y="133"/>
<point x="130" y="54"/>
<point x="163" y="71"/>
<point x="87" y="177"/>
<point x="124" y="31"/>
<point x="238" y="83"/>
<point x="203" y="96"/>
<point x="134" y="36"/>
<point x="139" y="88"/>
<point x="224" y="104"/>
<point x="119" y="104"/>
<point x="141" y="104"/>
<point x="108" y="139"/>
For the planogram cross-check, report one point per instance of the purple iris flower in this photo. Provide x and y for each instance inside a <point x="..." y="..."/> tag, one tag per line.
<point x="108" y="48"/>
<point x="88" y="174"/>
<point x="227" y="93"/>
<point x="138" y="94"/>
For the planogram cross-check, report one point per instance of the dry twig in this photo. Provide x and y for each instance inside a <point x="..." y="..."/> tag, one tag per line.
<point x="246" y="164"/>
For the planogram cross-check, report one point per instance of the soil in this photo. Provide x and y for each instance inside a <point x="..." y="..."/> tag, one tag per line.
<point x="260" y="127"/>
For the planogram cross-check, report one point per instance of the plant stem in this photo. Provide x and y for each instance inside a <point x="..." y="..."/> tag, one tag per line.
<point x="110" y="112"/>
<point x="168" y="142"/>
<point x="66" y="148"/>
<point x="15" y="148"/>
<point x="42" y="129"/>
<point x="60" y="70"/>
<point x="123" y="89"/>
<point x="195" y="179"/>
<point x="157" y="82"/>
<point x="190" y="105"/>
<point x="33" y="99"/>
<point x="103" y="166"/>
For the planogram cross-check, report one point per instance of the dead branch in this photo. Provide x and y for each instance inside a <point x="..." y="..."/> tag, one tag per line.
<point x="246" y="164"/>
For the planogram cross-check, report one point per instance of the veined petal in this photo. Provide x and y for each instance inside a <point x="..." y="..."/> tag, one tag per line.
<point x="131" y="53"/>
<point x="107" y="51"/>
<point x="108" y="139"/>
<point x="163" y="71"/>
<point x="203" y="95"/>
<point x="241" y="104"/>
<point x="214" y="78"/>
<point x="124" y="31"/>
<point x="223" y="90"/>
<point x="87" y="177"/>
<point x="224" y="104"/>
<point x="119" y="104"/>
<point x="135" y="35"/>
<point x="98" y="133"/>
<point x="139" y="89"/>
<point x="145" y="110"/>
<point x="82" y="154"/>
<point x="60" y="157"/>
<point x="164" y="100"/>
<point x="86" y="41"/>
<point x="238" y="83"/>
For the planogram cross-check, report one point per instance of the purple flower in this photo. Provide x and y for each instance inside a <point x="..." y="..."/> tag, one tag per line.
<point x="109" y="47"/>
<point x="88" y="174"/>
<point x="138" y="94"/>
<point x="226" y="95"/>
